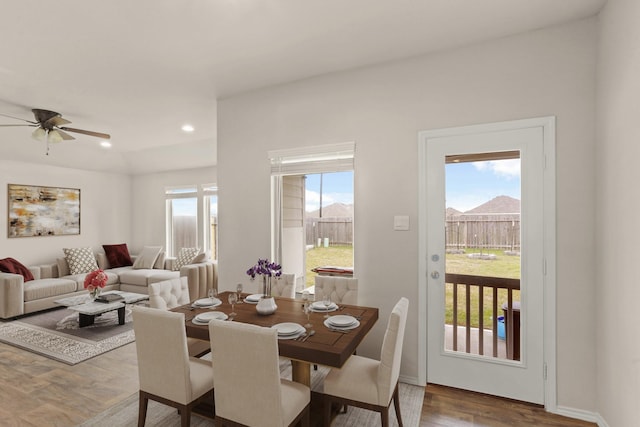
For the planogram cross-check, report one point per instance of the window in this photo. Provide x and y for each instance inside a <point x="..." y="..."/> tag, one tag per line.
<point x="295" y="175"/>
<point x="191" y="218"/>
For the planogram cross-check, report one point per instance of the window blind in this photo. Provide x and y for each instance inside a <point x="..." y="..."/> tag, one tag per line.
<point x="316" y="159"/>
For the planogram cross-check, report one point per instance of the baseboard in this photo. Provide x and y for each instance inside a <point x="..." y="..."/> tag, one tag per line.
<point x="410" y="380"/>
<point x="580" y="414"/>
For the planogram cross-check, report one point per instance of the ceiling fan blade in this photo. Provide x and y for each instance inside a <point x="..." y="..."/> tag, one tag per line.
<point x="65" y="136"/>
<point x="18" y="118"/>
<point x="87" y="132"/>
<point x="31" y="126"/>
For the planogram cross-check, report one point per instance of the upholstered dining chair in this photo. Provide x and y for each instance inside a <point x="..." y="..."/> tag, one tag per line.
<point x="165" y="371"/>
<point x="171" y="293"/>
<point x="249" y="390"/>
<point x="368" y="383"/>
<point x="284" y="285"/>
<point x="343" y="290"/>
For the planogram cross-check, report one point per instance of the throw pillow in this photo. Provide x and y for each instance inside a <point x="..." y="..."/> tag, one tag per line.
<point x="185" y="256"/>
<point x="117" y="255"/>
<point x="80" y="260"/>
<point x="202" y="257"/>
<point x="10" y="265"/>
<point x="159" y="264"/>
<point x="147" y="257"/>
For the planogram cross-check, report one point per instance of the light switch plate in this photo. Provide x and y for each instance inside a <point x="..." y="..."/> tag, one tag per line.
<point x="401" y="222"/>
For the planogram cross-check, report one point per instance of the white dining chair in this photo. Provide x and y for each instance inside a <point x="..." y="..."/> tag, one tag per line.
<point x="249" y="390"/>
<point x="165" y="371"/>
<point x="284" y="285"/>
<point x="172" y="293"/>
<point x="369" y="383"/>
<point x="343" y="290"/>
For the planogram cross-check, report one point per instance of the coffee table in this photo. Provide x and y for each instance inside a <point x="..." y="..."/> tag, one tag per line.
<point x="88" y="309"/>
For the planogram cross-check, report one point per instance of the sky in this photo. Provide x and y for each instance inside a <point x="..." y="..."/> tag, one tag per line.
<point x="337" y="187"/>
<point x="471" y="184"/>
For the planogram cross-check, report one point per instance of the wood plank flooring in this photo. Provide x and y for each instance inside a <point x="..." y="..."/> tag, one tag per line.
<point x="36" y="391"/>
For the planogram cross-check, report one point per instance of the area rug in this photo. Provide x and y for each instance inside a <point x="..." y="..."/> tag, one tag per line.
<point x="56" y="334"/>
<point x="125" y="413"/>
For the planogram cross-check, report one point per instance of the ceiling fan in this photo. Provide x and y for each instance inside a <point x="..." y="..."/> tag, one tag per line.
<point x="50" y="127"/>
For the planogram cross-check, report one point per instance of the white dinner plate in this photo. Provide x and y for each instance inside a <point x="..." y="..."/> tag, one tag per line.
<point x="341" y="328"/>
<point x="207" y="302"/>
<point x="288" y="329"/>
<point x="342" y="320"/>
<point x="319" y="306"/>
<point x="253" y="299"/>
<point x="205" y="318"/>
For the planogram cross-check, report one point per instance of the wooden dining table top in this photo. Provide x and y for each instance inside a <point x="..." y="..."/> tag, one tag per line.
<point x="325" y="347"/>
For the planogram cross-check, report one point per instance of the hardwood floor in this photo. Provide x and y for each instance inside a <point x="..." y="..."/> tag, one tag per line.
<point x="36" y="391"/>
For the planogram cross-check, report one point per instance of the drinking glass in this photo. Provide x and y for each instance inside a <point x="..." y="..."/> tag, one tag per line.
<point x="326" y="300"/>
<point x="239" y="291"/>
<point x="233" y="298"/>
<point x="213" y="293"/>
<point x="307" y="310"/>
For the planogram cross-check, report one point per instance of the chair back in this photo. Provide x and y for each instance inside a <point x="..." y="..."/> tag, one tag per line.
<point x="391" y="353"/>
<point x="163" y="361"/>
<point x="343" y="290"/>
<point x="168" y="294"/>
<point x="284" y="286"/>
<point x="246" y="373"/>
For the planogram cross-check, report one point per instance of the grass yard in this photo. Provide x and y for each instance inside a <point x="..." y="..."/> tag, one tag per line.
<point x="503" y="266"/>
<point x="341" y="256"/>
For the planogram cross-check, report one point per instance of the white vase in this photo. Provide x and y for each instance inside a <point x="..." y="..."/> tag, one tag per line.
<point x="266" y="306"/>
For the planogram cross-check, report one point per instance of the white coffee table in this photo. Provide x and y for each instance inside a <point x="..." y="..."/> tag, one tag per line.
<point x="88" y="309"/>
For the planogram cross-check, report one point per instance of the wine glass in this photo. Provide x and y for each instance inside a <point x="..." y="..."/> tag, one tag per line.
<point x="326" y="300"/>
<point x="239" y="291"/>
<point x="307" y="310"/>
<point x="233" y="298"/>
<point x="213" y="293"/>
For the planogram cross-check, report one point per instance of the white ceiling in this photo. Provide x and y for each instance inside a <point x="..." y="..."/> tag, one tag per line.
<point x="139" y="69"/>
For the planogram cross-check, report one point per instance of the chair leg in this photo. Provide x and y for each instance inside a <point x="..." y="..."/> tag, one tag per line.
<point x="142" y="408"/>
<point x="396" y="405"/>
<point x="384" y="417"/>
<point x="185" y="417"/>
<point x="326" y="405"/>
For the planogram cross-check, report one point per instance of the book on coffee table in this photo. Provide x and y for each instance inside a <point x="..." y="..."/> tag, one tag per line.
<point x="106" y="298"/>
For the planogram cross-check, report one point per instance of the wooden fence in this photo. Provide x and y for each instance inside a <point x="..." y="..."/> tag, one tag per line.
<point x="339" y="231"/>
<point x="483" y="233"/>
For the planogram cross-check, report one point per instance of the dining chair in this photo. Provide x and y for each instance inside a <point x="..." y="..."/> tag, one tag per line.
<point x="369" y="383"/>
<point x="249" y="390"/>
<point x="343" y="290"/>
<point x="165" y="371"/>
<point x="172" y="293"/>
<point x="284" y="285"/>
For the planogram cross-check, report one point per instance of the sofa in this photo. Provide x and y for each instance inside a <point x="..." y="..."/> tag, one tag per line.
<point x="53" y="282"/>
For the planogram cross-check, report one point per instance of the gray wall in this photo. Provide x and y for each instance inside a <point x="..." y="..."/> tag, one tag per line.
<point x="382" y="109"/>
<point x="617" y="290"/>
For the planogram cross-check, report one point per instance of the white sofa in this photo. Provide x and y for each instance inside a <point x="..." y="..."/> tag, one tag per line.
<point x="53" y="281"/>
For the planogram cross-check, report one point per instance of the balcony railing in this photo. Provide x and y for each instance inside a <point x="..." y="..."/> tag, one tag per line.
<point x="471" y="283"/>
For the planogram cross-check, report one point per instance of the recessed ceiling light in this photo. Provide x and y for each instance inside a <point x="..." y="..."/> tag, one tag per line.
<point x="187" y="128"/>
<point x="105" y="144"/>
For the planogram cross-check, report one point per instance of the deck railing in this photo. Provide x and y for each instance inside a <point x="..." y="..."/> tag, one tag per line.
<point x="467" y="282"/>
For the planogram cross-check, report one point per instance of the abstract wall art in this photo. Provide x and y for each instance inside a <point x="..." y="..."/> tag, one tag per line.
<point x="43" y="211"/>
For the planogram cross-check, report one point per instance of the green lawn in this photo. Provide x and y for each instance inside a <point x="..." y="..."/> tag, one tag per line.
<point x="503" y="266"/>
<point x="341" y="256"/>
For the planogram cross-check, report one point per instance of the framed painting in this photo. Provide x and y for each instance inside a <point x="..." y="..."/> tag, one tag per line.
<point x="43" y="211"/>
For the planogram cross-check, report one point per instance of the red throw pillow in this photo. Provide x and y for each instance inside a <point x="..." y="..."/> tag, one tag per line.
<point x="118" y="255"/>
<point x="10" y="265"/>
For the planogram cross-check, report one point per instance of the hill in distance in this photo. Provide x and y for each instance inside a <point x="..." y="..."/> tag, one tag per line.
<point x="335" y="210"/>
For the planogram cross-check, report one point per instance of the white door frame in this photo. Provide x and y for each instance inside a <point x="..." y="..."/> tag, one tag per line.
<point x="549" y="243"/>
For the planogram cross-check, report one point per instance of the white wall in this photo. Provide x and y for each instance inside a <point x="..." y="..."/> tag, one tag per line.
<point x="382" y="108"/>
<point x="618" y="290"/>
<point x="105" y="209"/>
<point x="149" y="206"/>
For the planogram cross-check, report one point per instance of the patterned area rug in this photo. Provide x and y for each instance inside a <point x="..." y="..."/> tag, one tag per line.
<point x="125" y="413"/>
<point x="56" y="334"/>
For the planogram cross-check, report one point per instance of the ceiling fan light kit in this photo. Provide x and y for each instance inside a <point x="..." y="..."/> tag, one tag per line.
<point x="49" y="127"/>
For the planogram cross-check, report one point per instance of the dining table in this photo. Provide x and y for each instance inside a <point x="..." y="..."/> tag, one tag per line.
<point x="326" y="346"/>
